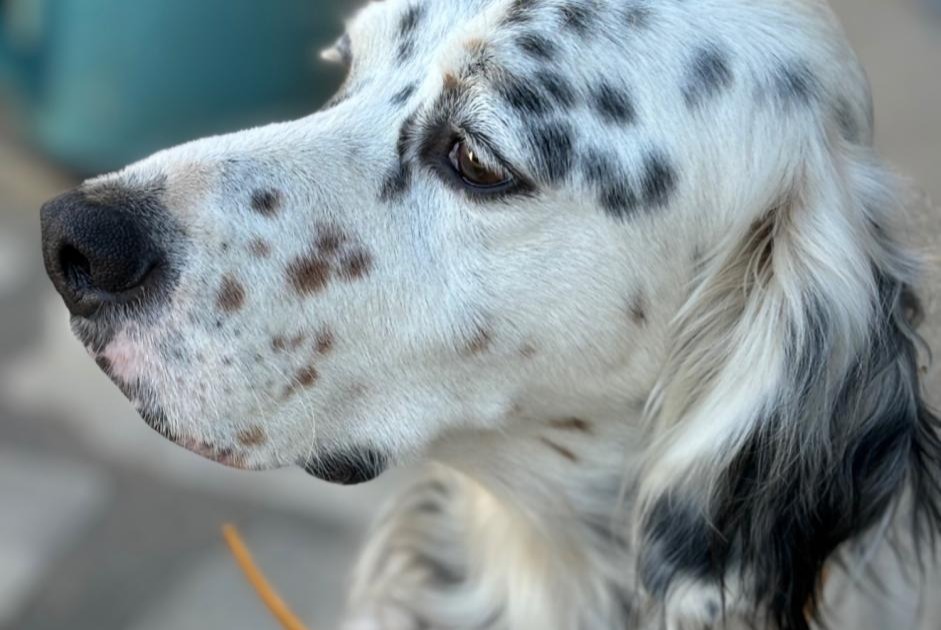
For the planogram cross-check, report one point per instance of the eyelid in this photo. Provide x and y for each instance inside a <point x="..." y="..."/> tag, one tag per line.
<point x="440" y="138"/>
<point x="484" y="155"/>
<point x="485" y="159"/>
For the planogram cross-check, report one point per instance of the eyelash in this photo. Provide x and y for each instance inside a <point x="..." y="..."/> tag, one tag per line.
<point x="441" y="137"/>
<point x="511" y="184"/>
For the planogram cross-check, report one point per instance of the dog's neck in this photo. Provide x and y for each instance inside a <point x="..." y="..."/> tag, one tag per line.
<point x="556" y="494"/>
<point x="554" y="487"/>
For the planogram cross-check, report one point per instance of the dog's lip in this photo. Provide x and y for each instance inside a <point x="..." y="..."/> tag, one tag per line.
<point x="224" y="456"/>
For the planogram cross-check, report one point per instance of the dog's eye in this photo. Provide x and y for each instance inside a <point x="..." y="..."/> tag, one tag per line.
<point x="474" y="172"/>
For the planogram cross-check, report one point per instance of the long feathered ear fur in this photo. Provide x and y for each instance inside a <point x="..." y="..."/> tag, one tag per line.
<point x="789" y="418"/>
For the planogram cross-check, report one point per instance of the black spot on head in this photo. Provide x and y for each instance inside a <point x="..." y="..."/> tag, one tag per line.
<point x="796" y="84"/>
<point x="707" y="76"/>
<point x="349" y="467"/>
<point x="408" y="26"/>
<point x="406" y="49"/>
<point x="553" y="150"/>
<point x="638" y="14"/>
<point x="399" y="178"/>
<point x="266" y="202"/>
<point x="537" y="46"/>
<point x="522" y="96"/>
<point x="406" y="135"/>
<point x="659" y="180"/>
<point x="556" y="86"/>
<point x="410" y="19"/>
<point x="402" y="96"/>
<point x="615" y="193"/>
<point x="521" y="11"/>
<point x="396" y="183"/>
<point x="614" y="105"/>
<point x="577" y="16"/>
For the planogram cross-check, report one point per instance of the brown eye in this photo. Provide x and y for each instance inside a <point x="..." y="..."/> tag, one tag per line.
<point x="475" y="172"/>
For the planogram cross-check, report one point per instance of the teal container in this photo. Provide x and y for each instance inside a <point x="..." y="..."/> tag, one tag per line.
<point x="96" y="84"/>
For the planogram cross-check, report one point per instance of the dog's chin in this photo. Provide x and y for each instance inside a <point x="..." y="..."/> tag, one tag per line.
<point x="224" y="456"/>
<point x="228" y="457"/>
<point x="349" y="467"/>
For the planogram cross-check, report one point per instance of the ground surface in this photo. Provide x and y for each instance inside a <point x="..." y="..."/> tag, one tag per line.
<point x="106" y="527"/>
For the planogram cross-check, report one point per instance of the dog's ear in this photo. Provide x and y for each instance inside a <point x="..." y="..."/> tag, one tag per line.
<point x="789" y="417"/>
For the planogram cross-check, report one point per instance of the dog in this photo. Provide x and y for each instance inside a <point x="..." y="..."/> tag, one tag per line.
<point x="627" y="274"/>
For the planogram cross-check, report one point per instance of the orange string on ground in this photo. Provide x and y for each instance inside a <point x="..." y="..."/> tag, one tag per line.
<point x="270" y="597"/>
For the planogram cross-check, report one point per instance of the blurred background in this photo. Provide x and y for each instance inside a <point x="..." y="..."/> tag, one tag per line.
<point x="103" y="524"/>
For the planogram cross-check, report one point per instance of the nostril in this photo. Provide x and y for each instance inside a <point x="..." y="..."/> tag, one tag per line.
<point x="75" y="267"/>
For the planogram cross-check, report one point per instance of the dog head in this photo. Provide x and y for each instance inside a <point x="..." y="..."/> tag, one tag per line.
<point x="564" y="205"/>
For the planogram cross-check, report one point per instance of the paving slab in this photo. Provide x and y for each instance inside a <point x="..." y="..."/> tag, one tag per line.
<point x="46" y="506"/>
<point x="308" y="570"/>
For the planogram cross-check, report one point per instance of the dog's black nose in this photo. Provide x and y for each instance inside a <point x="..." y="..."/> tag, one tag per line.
<point x="97" y="252"/>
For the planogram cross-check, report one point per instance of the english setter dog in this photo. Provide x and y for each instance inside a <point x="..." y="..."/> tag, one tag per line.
<point x="626" y="273"/>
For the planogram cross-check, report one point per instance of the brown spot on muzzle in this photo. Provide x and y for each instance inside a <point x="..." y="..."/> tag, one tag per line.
<point x="231" y="295"/>
<point x="479" y="343"/>
<point x="309" y="274"/>
<point x="355" y="266"/>
<point x="325" y="342"/>
<point x="259" y="248"/>
<point x="304" y="379"/>
<point x="280" y="343"/>
<point x="252" y="437"/>
<point x="334" y="254"/>
<point x="330" y="240"/>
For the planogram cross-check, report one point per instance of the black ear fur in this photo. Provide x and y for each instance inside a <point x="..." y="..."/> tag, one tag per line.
<point x="812" y="476"/>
